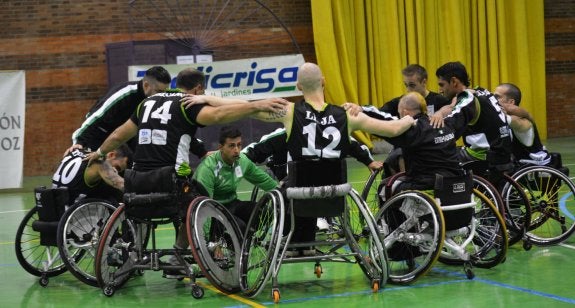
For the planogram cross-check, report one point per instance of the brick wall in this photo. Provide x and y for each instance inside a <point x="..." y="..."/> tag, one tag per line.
<point x="61" y="44"/>
<point x="560" y="66"/>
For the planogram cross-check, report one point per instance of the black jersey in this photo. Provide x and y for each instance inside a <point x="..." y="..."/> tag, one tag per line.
<point x="428" y="151"/>
<point x="527" y="143"/>
<point x="273" y="147"/>
<point x="489" y="131"/>
<point x="109" y="113"/>
<point x="318" y="133"/>
<point x="70" y="174"/>
<point x="165" y="131"/>
<point x="434" y="102"/>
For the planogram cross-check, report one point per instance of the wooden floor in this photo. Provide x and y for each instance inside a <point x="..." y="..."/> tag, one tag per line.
<point x="541" y="277"/>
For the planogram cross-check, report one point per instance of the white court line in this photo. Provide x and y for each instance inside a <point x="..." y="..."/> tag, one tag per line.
<point x="567" y="246"/>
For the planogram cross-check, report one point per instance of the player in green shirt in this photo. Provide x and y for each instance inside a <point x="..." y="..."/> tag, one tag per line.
<point x="221" y="172"/>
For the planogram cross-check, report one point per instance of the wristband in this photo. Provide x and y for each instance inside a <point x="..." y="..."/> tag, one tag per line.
<point x="100" y="154"/>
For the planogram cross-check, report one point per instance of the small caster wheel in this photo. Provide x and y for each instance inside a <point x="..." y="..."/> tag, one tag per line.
<point x="527" y="245"/>
<point x="108" y="291"/>
<point x="43" y="281"/>
<point x="276" y="295"/>
<point x="197" y="291"/>
<point x="468" y="270"/>
<point x="318" y="271"/>
<point x="375" y="286"/>
<point x="139" y="272"/>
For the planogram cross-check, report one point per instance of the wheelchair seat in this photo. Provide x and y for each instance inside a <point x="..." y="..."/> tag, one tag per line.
<point x="454" y="194"/>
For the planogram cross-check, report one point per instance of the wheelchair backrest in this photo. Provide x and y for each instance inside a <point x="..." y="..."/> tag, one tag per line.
<point x="455" y="196"/>
<point x="51" y="202"/>
<point x="316" y="173"/>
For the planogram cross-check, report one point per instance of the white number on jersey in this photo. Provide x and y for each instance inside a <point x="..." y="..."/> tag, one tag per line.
<point x="327" y="152"/>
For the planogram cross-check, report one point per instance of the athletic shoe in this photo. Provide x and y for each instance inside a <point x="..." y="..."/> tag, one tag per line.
<point x="322" y="224"/>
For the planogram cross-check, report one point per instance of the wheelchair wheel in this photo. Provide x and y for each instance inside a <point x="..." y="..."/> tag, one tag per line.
<point x="215" y="240"/>
<point x="484" y="241"/>
<point x="260" y="246"/>
<point x="79" y="233"/>
<point x="552" y="196"/>
<point x="116" y="251"/>
<point x="517" y="209"/>
<point x="412" y="227"/>
<point x="372" y="257"/>
<point x="514" y="219"/>
<point x="35" y="258"/>
<point x="370" y="191"/>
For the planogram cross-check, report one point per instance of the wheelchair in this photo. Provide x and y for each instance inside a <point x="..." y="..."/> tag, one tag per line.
<point x="36" y="238"/>
<point x="552" y="196"/>
<point x="68" y="233"/>
<point x="123" y="250"/>
<point x="315" y="188"/>
<point x="211" y="230"/>
<point x="507" y="195"/>
<point x="79" y="233"/>
<point x="459" y="225"/>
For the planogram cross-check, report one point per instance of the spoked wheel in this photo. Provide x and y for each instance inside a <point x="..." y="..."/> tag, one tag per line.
<point x="484" y="241"/>
<point x="215" y="243"/>
<point x="116" y="250"/>
<point x="369" y="248"/>
<point x="412" y="227"/>
<point x="552" y="196"/>
<point x="37" y="259"/>
<point x="260" y="246"/>
<point x="79" y="233"/>
<point x="512" y="209"/>
<point x="370" y="190"/>
<point x="518" y="209"/>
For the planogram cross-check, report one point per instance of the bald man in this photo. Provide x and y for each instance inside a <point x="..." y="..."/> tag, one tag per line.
<point x="318" y="130"/>
<point x="428" y="151"/>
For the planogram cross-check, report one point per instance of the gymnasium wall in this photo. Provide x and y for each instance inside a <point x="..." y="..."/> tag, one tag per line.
<point x="61" y="46"/>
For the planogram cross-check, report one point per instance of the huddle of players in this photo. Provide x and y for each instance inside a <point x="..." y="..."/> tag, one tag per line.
<point x="486" y="122"/>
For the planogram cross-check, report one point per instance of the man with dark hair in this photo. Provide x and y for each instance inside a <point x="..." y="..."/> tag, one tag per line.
<point x="527" y="146"/>
<point x="221" y="172"/>
<point x="165" y="129"/>
<point x="488" y="135"/>
<point x="98" y="180"/>
<point x="117" y="105"/>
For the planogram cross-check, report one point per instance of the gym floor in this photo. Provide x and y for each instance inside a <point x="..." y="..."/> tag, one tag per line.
<point x="539" y="277"/>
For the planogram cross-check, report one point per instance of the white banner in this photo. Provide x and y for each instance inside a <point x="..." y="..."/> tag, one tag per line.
<point x="12" y="115"/>
<point x="248" y="79"/>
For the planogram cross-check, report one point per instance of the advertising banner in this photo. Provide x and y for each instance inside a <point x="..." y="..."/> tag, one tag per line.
<point x="248" y="79"/>
<point x="12" y="115"/>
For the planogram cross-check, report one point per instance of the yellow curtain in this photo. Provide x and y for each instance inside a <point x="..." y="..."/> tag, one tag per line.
<point x="362" y="45"/>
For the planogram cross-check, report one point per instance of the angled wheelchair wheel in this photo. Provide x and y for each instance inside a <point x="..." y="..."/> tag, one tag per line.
<point x="79" y="233"/>
<point x="215" y="240"/>
<point x="370" y="190"/>
<point x="260" y="246"/>
<point x="517" y="209"/>
<point x="514" y="219"/>
<point x="552" y="196"/>
<point x="484" y="242"/>
<point x="412" y="228"/>
<point x="116" y="252"/>
<point x="371" y="255"/>
<point x="37" y="259"/>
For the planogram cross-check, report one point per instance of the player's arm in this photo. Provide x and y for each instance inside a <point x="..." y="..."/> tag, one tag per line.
<point x="110" y="175"/>
<point x="232" y="112"/>
<point x="118" y="137"/>
<point x="381" y="128"/>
